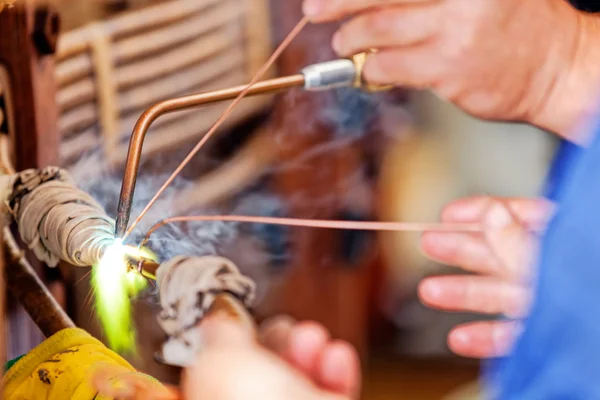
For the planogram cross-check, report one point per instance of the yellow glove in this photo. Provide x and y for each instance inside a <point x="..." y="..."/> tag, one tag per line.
<point x="63" y="367"/>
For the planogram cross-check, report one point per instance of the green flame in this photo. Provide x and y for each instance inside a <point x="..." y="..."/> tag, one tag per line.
<point x="114" y="286"/>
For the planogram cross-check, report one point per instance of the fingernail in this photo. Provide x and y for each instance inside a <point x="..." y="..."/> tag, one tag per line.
<point x="311" y="8"/>
<point x="336" y="43"/>
<point x="498" y="217"/>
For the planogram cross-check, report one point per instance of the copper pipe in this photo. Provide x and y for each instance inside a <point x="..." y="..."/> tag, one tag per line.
<point x="149" y="116"/>
<point x="24" y="283"/>
<point x="325" y="224"/>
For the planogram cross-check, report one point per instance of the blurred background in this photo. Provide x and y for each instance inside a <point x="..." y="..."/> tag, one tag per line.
<point x="393" y="156"/>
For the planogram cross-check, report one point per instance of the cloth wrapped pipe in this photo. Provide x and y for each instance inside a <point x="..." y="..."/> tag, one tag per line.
<point x="189" y="290"/>
<point x="57" y="220"/>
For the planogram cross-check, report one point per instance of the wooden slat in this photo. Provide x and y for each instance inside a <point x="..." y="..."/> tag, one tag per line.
<point x="75" y="95"/>
<point x="139" y="98"/>
<point x="144" y="96"/>
<point x="162" y="66"/>
<point x="74" y="68"/>
<point x="171" y="134"/>
<point x="81" y="66"/>
<point x="153" y="17"/>
<point x="78" y="119"/>
<point x="230" y="78"/>
<point x="185" y="129"/>
<point x="194" y="46"/>
<point x="163" y="39"/>
<point x="77" y="41"/>
<point x="77" y="146"/>
<point x="73" y="146"/>
<point x="169" y="63"/>
<point x="258" y="33"/>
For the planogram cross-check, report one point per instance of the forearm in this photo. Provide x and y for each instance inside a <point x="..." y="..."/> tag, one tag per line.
<point x="573" y="97"/>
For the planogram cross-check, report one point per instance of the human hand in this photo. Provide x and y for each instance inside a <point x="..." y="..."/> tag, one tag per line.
<point x="295" y="361"/>
<point x="532" y="61"/>
<point x="500" y="261"/>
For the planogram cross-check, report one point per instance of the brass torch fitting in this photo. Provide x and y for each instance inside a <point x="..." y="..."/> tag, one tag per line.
<point x="359" y="60"/>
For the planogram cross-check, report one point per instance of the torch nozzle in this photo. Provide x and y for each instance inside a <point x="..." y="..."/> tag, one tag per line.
<point x="142" y="261"/>
<point x="329" y="75"/>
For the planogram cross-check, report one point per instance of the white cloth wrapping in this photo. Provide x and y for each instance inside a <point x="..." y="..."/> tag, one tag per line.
<point x="57" y="220"/>
<point x="187" y="289"/>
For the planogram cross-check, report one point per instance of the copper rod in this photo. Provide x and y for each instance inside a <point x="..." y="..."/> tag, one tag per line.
<point x="24" y="283"/>
<point x="326" y="224"/>
<point x="137" y="139"/>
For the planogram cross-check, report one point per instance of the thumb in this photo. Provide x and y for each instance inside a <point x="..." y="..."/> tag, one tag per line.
<point x="219" y="331"/>
<point x="232" y="366"/>
<point x="509" y="240"/>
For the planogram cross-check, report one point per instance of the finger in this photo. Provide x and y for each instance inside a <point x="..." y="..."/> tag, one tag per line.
<point x="484" y="339"/>
<point x="340" y="369"/>
<point x="385" y="28"/>
<point x="275" y="334"/>
<point x="509" y="241"/>
<point x="469" y="252"/>
<point x="217" y="332"/>
<point x="415" y="67"/>
<point x="477" y="294"/>
<point x="338" y="364"/>
<point x="533" y="212"/>
<point x="328" y="10"/>
<point x="307" y="343"/>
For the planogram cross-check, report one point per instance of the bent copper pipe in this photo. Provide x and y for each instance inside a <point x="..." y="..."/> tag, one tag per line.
<point x="316" y="77"/>
<point x="136" y="142"/>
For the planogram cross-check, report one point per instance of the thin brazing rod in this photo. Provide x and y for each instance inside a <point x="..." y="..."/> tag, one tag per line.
<point x="136" y="142"/>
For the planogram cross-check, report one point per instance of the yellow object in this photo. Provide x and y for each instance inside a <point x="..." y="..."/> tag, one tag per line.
<point x="61" y="368"/>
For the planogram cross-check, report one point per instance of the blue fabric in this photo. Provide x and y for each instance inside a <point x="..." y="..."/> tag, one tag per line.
<point x="567" y="155"/>
<point x="558" y="354"/>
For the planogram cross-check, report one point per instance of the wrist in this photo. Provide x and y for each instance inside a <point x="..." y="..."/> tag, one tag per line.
<point x="572" y="77"/>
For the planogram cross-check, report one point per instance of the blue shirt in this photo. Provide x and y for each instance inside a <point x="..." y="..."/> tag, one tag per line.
<point x="558" y="354"/>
